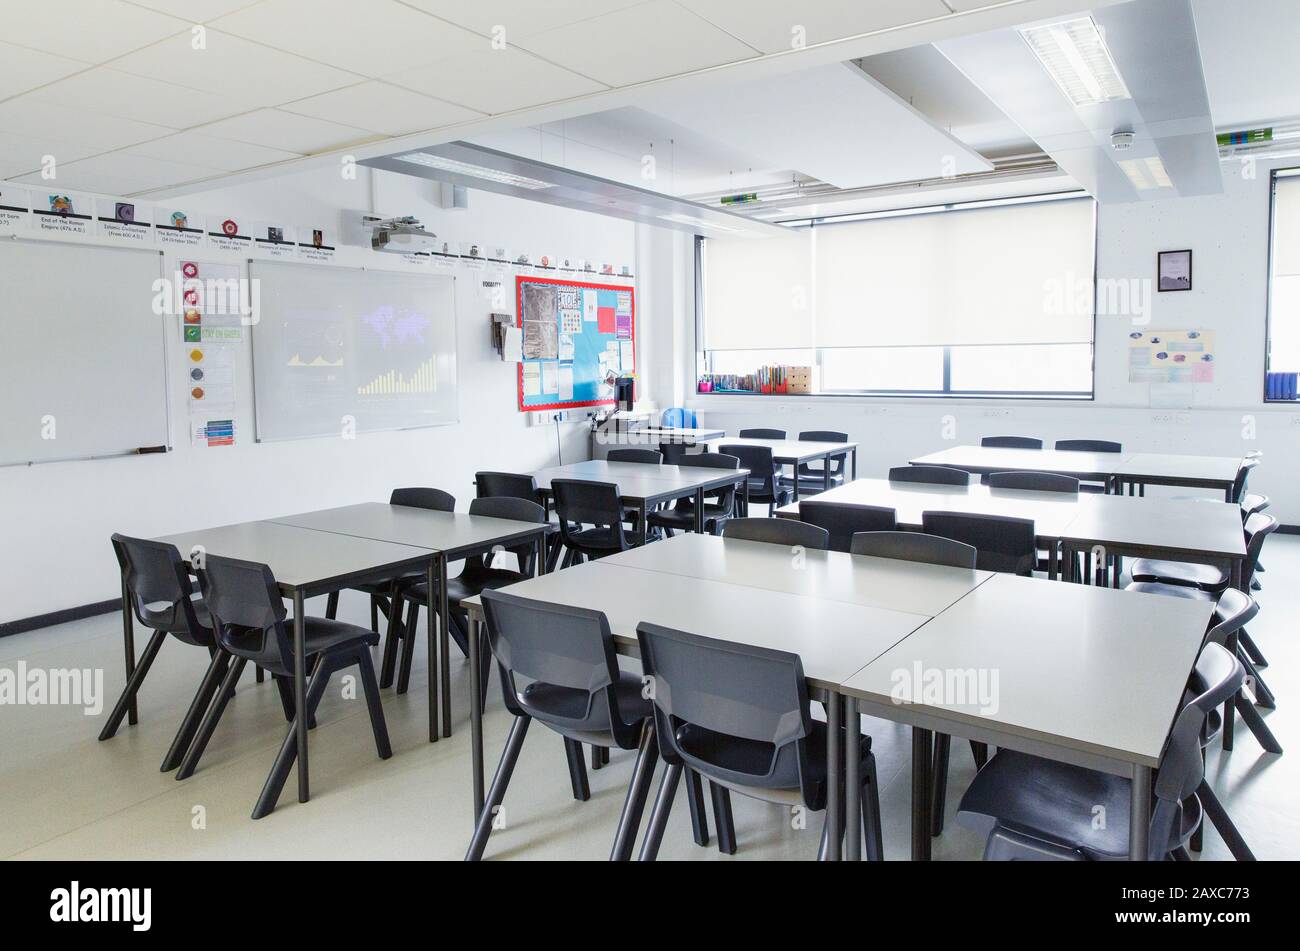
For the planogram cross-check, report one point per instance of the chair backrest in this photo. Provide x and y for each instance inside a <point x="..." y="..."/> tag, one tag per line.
<point x="1217" y="677"/>
<point x="712" y="460"/>
<point x="509" y="485"/>
<point x="1243" y="473"/>
<point x="1234" y="610"/>
<point x="1258" y="527"/>
<point x="677" y="417"/>
<point x="914" y="546"/>
<point x="557" y="663"/>
<point x="762" y="433"/>
<point x="247" y="610"/>
<point x="579" y="502"/>
<point x="424" y="498"/>
<point x="1251" y="503"/>
<point x="648" y="456"/>
<point x="758" y="460"/>
<point x="725" y="496"/>
<point x="931" y="475"/>
<point x="520" y="510"/>
<point x="824" y="435"/>
<point x="778" y="531"/>
<point x="1037" y="481"/>
<point x="1012" y="442"/>
<point x="845" y="521"/>
<point x="1003" y="543"/>
<point x="158" y="583"/>
<point x="1089" y="445"/>
<point x="731" y="712"/>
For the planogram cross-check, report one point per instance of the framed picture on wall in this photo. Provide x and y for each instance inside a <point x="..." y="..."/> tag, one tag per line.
<point x="1174" y="271"/>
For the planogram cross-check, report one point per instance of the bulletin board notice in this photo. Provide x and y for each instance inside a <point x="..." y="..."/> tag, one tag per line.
<point x="578" y="338"/>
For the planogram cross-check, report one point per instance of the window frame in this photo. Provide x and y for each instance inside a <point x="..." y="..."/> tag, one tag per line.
<point x="1288" y="172"/>
<point x="947" y="393"/>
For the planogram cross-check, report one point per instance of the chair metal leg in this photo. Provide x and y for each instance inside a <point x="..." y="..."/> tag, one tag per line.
<point x="577" y="770"/>
<point x="408" y="648"/>
<point x="638" y="788"/>
<point x="597" y="761"/>
<point x="370" y="685"/>
<point x="939" y="782"/>
<point x="1263" y="696"/>
<point x="288" y="754"/>
<point x="980" y="753"/>
<point x="654" y="833"/>
<point x="723" y="819"/>
<point x="1252" y="649"/>
<point x="202" y="700"/>
<point x="695" y="799"/>
<point x="497" y="792"/>
<point x="391" y="642"/>
<point x="875" y="842"/>
<point x="259" y="675"/>
<point x="210" y="720"/>
<point x="1257" y="725"/>
<point x="1219" y="816"/>
<point x="127" y="700"/>
<point x="374" y="613"/>
<point x="332" y="605"/>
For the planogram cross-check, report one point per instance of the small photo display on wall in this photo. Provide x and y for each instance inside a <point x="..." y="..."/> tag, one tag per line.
<point x="1174" y="271"/>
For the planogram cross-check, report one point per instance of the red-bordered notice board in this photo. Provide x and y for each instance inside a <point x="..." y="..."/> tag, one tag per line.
<point x="578" y="337"/>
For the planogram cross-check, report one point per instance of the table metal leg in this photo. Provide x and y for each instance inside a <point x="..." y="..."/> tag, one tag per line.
<point x="1139" y="828"/>
<point x="922" y="752"/>
<point x="1051" y="560"/>
<point x="300" y="689"/>
<point x="855" y="463"/>
<point x="826" y="473"/>
<point x="444" y="645"/>
<point x="431" y="580"/>
<point x="128" y="643"/>
<point x="476" y="712"/>
<point x="852" y="781"/>
<point x="699" y="511"/>
<point x="834" y="777"/>
<point x="641" y="509"/>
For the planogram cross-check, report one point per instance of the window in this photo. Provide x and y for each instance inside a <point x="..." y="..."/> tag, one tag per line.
<point x="1283" y="357"/>
<point x="987" y="299"/>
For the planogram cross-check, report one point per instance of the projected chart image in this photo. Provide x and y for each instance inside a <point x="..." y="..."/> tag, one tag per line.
<point x="343" y="350"/>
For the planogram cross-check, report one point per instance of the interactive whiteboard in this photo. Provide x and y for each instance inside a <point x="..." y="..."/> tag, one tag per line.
<point x="343" y="350"/>
<point x="82" y="352"/>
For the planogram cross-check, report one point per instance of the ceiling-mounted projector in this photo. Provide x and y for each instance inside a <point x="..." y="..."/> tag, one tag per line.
<point x="399" y="235"/>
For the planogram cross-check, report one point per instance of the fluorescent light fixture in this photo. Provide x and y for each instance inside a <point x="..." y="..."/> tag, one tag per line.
<point x="1075" y="56"/>
<point x="472" y="171"/>
<point x="1147" y="173"/>
<point x="681" y="219"/>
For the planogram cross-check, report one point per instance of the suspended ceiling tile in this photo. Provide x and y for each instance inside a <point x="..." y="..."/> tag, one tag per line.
<point x="287" y="131"/>
<point x="89" y="30"/>
<point x="496" y="81"/>
<point x="382" y="107"/>
<point x="519" y="18"/>
<point x="29" y="116"/>
<point x="111" y="92"/>
<point x="776" y="25"/>
<point x="26" y="69"/>
<point x="195" y="148"/>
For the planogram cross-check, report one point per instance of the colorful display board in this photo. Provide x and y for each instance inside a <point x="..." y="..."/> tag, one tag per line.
<point x="578" y="337"/>
<point x="1171" y="356"/>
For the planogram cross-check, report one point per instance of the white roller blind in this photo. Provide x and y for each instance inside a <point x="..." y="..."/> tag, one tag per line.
<point x="1010" y="274"/>
<point x="1286" y="227"/>
<point x="758" y="293"/>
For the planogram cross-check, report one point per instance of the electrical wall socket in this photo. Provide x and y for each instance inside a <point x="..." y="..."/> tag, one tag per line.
<point x="994" y="412"/>
<point x="1162" y="419"/>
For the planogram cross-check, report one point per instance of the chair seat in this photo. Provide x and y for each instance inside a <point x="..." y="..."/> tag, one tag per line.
<point x="320" y="635"/>
<point x="1174" y="590"/>
<point x="1094" y="487"/>
<point x="568" y="704"/>
<point x="461" y="587"/>
<point x="757" y="494"/>
<point x="685" y="519"/>
<point x="163" y="616"/>
<point x="807" y="481"/>
<point x="1057" y="803"/>
<point x="1206" y="577"/>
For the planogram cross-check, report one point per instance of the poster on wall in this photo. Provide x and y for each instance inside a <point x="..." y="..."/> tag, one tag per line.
<point x="1171" y="356"/>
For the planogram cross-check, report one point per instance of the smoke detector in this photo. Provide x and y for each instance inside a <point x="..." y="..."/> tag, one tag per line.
<point x="402" y="235"/>
<point x="1122" y="141"/>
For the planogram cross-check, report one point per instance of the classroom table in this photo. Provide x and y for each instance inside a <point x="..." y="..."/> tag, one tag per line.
<point x="1085" y="675"/>
<point x="981" y="460"/>
<point x="451" y="536"/>
<point x="306" y="563"/>
<point x="830" y="619"/>
<point x="658" y="436"/>
<point x="643" y="486"/>
<point x="794" y="452"/>
<point x="1139" y="470"/>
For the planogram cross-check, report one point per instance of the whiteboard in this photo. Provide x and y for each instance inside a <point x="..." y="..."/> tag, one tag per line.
<point x="344" y="350"/>
<point x="83" y="360"/>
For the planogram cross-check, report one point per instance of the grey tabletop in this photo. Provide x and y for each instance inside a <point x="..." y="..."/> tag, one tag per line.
<point x="1051" y="512"/>
<point x="1169" y="528"/>
<point x="788" y="450"/>
<point x="662" y="434"/>
<point x="449" y="532"/>
<point x="642" y="480"/>
<point x="1084" y="465"/>
<point x="300" y="557"/>
<point x="830" y="575"/>
<point x="831" y="637"/>
<point x="1094" y="671"/>
<point x="1217" y="470"/>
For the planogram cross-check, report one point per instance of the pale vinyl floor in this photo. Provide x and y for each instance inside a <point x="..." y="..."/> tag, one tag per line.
<point x="64" y="795"/>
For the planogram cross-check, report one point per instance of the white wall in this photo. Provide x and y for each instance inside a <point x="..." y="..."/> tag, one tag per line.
<point x="1228" y="234"/>
<point x="57" y="517"/>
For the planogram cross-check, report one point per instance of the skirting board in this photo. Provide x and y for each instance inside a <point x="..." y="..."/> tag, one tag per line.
<point x="23" y="625"/>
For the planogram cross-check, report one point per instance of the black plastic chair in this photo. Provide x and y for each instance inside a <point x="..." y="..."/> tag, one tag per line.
<point x="914" y="546"/>
<point x="762" y="434"/>
<point x="930" y="475"/>
<point x="1035" y="481"/>
<point x="1243" y="475"/>
<point x="739" y="716"/>
<point x="812" y="475"/>
<point x="719" y="505"/>
<point x="1012" y="442"/>
<point x="558" y="666"/>
<point x="1003" y="543"/>
<point x="163" y="599"/>
<point x="778" y="531"/>
<point x="648" y="456"/>
<point x="1207" y="577"/>
<point x="591" y="519"/>
<point x="475" y="577"/>
<point x="764" y="484"/>
<point x="1038" y="809"/>
<point x="1089" y="445"/>
<point x="508" y="485"/>
<point x="845" y="521"/>
<point x="250" y="621"/>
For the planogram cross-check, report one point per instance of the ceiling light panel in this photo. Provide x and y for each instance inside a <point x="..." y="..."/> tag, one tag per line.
<point x="1075" y="55"/>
